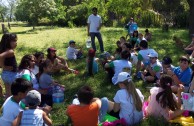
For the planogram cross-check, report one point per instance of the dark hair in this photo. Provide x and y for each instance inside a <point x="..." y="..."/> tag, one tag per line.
<point x="94" y="9"/>
<point x="50" y="57"/>
<point x="143" y="44"/>
<point x="122" y="37"/>
<point x="85" y="95"/>
<point x="43" y="64"/>
<point x="20" y="85"/>
<point x="128" y="45"/>
<point x="165" y="97"/>
<point x="6" y="40"/>
<point x="184" y="58"/>
<point x="134" y="33"/>
<point x="38" y="54"/>
<point x="125" y="55"/>
<point x="25" y="62"/>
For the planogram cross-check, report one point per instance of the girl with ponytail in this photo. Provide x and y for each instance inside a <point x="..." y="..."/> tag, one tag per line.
<point x="162" y="102"/>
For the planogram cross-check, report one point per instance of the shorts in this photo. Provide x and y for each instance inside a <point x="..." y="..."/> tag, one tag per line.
<point x="8" y="77"/>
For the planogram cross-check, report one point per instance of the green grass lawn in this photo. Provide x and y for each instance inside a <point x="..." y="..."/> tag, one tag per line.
<point x="30" y="41"/>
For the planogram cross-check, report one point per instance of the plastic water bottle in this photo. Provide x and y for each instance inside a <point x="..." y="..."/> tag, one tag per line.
<point x="88" y="42"/>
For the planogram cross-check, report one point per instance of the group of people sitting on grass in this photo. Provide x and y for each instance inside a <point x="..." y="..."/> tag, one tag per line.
<point x="29" y="86"/>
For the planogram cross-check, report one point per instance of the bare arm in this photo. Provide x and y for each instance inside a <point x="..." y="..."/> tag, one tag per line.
<point x="46" y="119"/>
<point x="116" y="107"/>
<point x="17" y="120"/>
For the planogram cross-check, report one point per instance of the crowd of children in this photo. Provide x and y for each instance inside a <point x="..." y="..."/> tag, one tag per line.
<point x="31" y="83"/>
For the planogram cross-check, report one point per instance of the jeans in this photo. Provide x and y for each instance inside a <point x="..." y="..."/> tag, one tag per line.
<point x="99" y="37"/>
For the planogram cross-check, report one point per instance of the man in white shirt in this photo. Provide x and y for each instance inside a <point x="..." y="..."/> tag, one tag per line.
<point x="94" y="25"/>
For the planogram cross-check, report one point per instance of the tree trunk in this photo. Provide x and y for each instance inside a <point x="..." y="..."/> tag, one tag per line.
<point x="191" y="17"/>
<point x="2" y="17"/>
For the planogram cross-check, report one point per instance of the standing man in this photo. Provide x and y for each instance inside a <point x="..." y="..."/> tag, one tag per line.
<point x="94" y="25"/>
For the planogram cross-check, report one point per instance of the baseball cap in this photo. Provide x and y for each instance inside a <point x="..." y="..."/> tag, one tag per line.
<point x="122" y="77"/>
<point x="166" y="60"/>
<point x="51" y="49"/>
<point x="71" y="41"/>
<point x="153" y="54"/>
<point x="33" y="98"/>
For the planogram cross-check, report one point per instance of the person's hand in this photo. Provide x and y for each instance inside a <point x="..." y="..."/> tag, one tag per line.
<point x="170" y="72"/>
<point x="47" y="109"/>
<point x="180" y="88"/>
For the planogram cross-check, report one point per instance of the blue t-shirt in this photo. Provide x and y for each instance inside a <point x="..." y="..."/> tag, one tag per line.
<point x="183" y="76"/>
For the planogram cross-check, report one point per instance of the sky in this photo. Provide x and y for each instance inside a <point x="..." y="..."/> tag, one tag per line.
<point x="4" y="2"/>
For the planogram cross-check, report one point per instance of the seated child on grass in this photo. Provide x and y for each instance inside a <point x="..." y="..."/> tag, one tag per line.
<point x="33" y="115"/>
<point x="11" y="107"/>
<point x="118" y="50"/>
<point x="162" y="102"/>
<point x="153" y="70"/>
<point x="39" y="56"/>
<point x="73" y="53"/>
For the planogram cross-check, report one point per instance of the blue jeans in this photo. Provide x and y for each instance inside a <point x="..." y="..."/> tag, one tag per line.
<point x="99" y="37"/>
<point x="8" y="77"/>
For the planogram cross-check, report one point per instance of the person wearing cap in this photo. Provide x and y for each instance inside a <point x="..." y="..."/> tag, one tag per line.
<point x="166" y="64"/>
<point x="181" y="75"/>
<point x="33" y="116"/>
<point x="57" y="63"/>
<point x="11" y="107"/>
<point x="72" y="53"/>
<point x="127" y="100"/>
<point x="189" y="49"/>
<point x="119" y="66"/>
<point x="153" y="70"/>
<point x="94" y="25"/>
<point x="148" y="35"/>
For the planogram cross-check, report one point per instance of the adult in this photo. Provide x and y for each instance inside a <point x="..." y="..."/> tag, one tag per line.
<point x="94" y="26"/>
<point x="131" y="27"/>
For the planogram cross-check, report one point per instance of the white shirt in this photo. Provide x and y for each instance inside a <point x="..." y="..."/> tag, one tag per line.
<point x="71" y="53"/>
<point x="94" y="22"/>
<point x="10" y="110"/>
<point x="127" y="107"/>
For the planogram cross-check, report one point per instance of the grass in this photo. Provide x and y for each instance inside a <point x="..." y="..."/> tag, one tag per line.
<point x="30" y="41"/>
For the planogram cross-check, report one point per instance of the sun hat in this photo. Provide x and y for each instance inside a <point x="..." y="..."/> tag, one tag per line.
<point x="153" y="54"/>
<point x="122" y="77"/>
<point x="33" y="98"/>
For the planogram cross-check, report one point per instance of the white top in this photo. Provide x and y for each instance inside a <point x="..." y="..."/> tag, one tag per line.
<point x="32" y="117"/>
<point x="71" y="53"/>
<point x="120" y="66"/>
<point x="127" y="107"/>
<point x="35" y="70"/>
<point x="10" y="111"/>
<point x="143" y="55"/>
<point x="94" y="22"/>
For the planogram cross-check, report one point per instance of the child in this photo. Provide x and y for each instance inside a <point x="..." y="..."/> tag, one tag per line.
<point x="128" y="100"/>
<point x="8" y="61"/>
<point x="47" y="83"/>
<point x="134" y="38"/>
<point x="148" y="35"/>
<point x="92" y="65"/>
<point x="167" y="64"/>
<point x="39" y="57"/>
<point x="118" y="50"/>
<point x="73" y="53"/>
<point x="33" y="115"/>
<point x="11" y="107"/>
<point x="153" y="70"/>
<point x="86" y="113"/>
<point x="162" y="102"/>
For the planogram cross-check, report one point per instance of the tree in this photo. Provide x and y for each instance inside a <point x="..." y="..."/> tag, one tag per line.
<point x="3" y="11"/>
<point x="191" y="16"/>
<point x="11" y="6"/>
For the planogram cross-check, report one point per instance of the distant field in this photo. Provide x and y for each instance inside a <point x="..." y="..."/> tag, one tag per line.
<point x="30" y="41"/>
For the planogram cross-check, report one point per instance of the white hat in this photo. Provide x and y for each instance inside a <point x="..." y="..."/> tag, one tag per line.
<point x="122" y="77"/>
<point x="153" y="54"/>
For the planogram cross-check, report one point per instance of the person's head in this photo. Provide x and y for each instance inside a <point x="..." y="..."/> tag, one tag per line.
<point x="27" y="62"/>
<point x="33" y="98"/>
<point x="131" y="19"/>
<point x="143" y="44"/>
<point x="51" y="53"/>
<point x="122" y="39"/>
<point x="135" y="33"/>
<point x="146" y="31"/>
<point x="45" y="66"/>
<point x="124" y="80"/>
<point x="126" y="46"/>
<point x="166" y="62"/>
<point x="72" y="43"/>
<point x="20" y="87"/>
<point x="85" y="95"/>
<point x="8" y="41"/>
<point x="39" y="57"/>
<point x="165" y="97"/>
<point x="125" y="55"/>
<point x="184" y="62"/>
<point x="94" y="11"/>
<point x="118" y="44"/>
<point x="153" y="57"/>
<point x="140" y="36"/>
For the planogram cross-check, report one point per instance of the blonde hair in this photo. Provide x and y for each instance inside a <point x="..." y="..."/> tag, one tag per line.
<point x="132" y="91"/>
